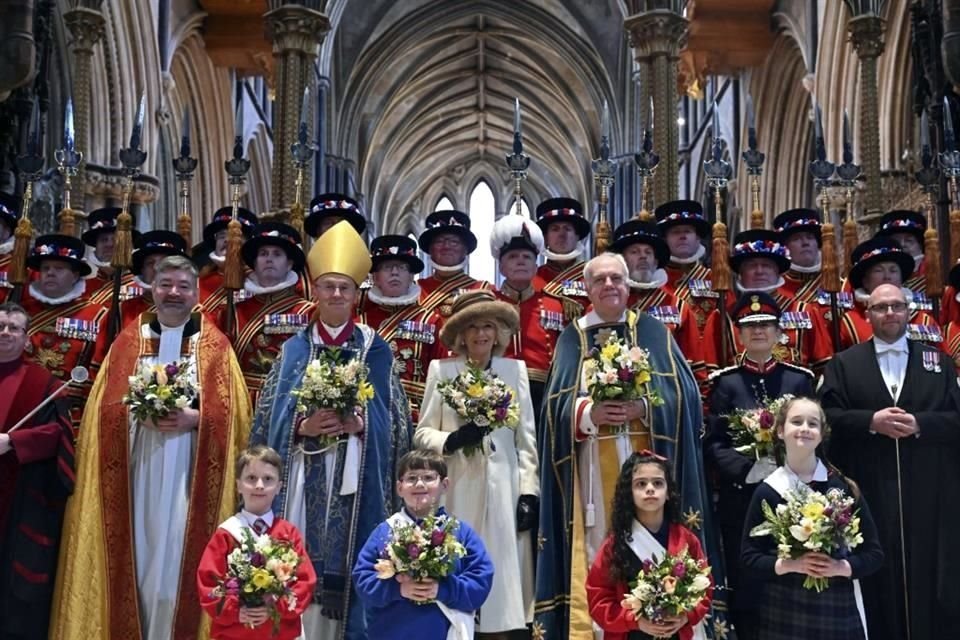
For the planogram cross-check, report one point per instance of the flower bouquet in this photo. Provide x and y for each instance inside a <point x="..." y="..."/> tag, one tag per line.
<point x="752" y="429"/>
<point x="812" y="521"/>
<point x="481" y="397"/>
<point x="156" y="390"/>
<point x="619" y="372"/>
<point x="672" y="586"/>
<point x="330" y="383"/>
<point x="427" y="551"/>
<point x="260" y="572"/>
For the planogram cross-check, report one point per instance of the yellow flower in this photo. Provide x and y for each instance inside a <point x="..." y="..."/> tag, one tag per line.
<point x="365" y="392"/>
<point x="812" y="510"/>
<point x="610" y="352"/>
<point x="475" y="390"/>
<point x="261" y="578"/>
<point x="161" y="374"/>
<point x="643" y="377"/>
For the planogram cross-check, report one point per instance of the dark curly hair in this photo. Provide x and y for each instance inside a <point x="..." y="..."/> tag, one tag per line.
<point x="780" y="451"/>
<point x="624" y="564"/>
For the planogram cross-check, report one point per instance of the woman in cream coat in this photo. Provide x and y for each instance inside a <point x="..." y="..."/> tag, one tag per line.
<point x="495" y="489"/>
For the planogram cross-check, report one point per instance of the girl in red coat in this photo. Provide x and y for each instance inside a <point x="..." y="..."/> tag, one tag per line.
<point x="643" y="524"/>
<point x="258" y="481"/>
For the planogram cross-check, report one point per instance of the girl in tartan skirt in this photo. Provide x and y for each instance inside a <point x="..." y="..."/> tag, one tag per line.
<point x="643" y="524"/>
<point x="788" y="610"/>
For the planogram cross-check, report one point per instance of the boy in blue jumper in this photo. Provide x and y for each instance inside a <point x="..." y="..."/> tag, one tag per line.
<point x="402" y="608"/>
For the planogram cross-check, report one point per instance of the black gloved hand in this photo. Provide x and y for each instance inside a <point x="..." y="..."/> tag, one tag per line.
<point x="467" y="435"/>
<point x="528" y="512"/>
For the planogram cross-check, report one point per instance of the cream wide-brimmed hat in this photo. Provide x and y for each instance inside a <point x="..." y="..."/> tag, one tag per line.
<point x="479" y="305"/>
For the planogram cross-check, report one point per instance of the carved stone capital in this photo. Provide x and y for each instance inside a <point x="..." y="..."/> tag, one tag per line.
<point x="108" y="183"/>
<point x="86" y="26"/>
<point x="654" y="33"/>
<point x="295" y="28"/>
<point x="866" y="35"/>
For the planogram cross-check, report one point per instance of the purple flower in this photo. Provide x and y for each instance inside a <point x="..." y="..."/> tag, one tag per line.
<point x="172" y="369"/>
<point x="828" y="511"/>
<point x="766" y="419"/>
<point x="625" y="375"/>
<point x="500" y="414"/>
<point x="232" y="587"/>
<point x="647" y="566"/>
<point x="437" y="537"/>
<point x="679" y="570"/>
<point x="256" y="559"/>
<point x="413" y="551"/>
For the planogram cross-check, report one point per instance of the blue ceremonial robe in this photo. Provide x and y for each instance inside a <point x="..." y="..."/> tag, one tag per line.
<point x="333" y="541"/>
<point x="675" y="429"/>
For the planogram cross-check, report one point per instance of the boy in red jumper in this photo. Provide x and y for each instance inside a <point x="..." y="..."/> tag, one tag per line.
<point x="258" y="481"/>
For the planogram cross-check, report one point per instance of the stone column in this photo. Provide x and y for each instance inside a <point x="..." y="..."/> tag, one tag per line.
<point x="296" y="33"/>
<point x="866" y="34"/>
<point x="86" y="26"/>
<point x="657" y="37"/>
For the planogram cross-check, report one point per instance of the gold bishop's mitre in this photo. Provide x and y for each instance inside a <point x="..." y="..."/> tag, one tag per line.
<point x="340" y="250"/>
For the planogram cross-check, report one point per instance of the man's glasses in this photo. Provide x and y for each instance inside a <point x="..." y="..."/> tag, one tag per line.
<point x="428" y="479"/>
<point x="12" y="328"/>
<point x="893" y="307"/>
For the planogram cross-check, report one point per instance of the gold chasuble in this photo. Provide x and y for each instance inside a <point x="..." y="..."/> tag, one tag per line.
<point x="96" y="594"/>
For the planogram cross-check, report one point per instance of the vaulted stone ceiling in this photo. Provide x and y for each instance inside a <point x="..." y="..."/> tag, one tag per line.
<point x="424" y="94"/>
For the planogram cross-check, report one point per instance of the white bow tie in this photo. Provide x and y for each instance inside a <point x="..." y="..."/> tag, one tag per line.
<point x="883" y="347"/>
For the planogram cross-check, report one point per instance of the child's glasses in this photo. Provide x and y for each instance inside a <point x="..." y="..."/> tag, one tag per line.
<point x="411" y="480"/>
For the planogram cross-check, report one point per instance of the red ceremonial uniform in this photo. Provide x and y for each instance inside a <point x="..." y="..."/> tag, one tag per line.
<point x="692" y="285"/>
<point x="806" y="336"/>
<point x="210" y="282"/>
<point x="262" y="323"/>
<point x="605" y="596"/>
<point x="800" y="286"/>
<point x="951" y="342"/>
<point x="5" y="285"/>
<point x="439" y="291"/>
<point x="541" y="322"/>
<point x="413" y="334"/>
<point x="64" y="336"/>
<point x="566" y="285"/>
<point x="663" y="304"/>
<point x="950" y="306"/>
<point x="225" y="612"/>
<point x="134" y="300"/>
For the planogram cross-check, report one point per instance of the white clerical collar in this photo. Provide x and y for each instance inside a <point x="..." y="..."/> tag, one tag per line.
<point x="592" y="319"/>
<point x="73" y="294"/>
<point x="171" y="341"/>
<point x="254" y="288"/>
<point x="376" y="296"/>
<point x="7" y="245"/>
<point x="696" y="257"/>
<point x="332" y="331"/>
<point x="814" y="268"/>
<point x="658" y="280"/>
<point x="217" y="259"/>
<point x="249" y="518"/>
<point x="451" y="269"/>
<point x="564" y="257"/>
<point x="140" y="283"/>
<point x="768" y="289"/>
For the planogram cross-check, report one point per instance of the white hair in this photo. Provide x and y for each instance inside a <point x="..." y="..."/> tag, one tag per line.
<point x="608" y="255"/>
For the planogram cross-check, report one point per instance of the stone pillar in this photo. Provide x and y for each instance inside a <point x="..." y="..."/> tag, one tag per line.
<point x="296" y="32"/>
<point x="86" y="26"/>
<point x="657" y="37"/>
<point x="866" y="34"/>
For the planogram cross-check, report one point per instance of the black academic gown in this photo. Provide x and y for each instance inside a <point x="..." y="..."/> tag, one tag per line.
<point x="744" y="386"/>
<point x="852" y="391"/>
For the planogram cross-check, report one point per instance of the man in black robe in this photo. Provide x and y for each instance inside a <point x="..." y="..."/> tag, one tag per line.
<point x="894" y="409"/>
<point x="36" y="476"/>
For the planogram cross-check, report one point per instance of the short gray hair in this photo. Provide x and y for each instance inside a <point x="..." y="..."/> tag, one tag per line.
<point x="607" y="255"/>
<point x="178" y="263"/>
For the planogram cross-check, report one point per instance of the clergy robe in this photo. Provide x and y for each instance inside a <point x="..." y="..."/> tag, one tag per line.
<point x="561" y="606"/>
<point x="852" y="390"/>
<point x="148" y="501"/>
<point x="35" y="479"/>
<point x="338" y="497"/>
